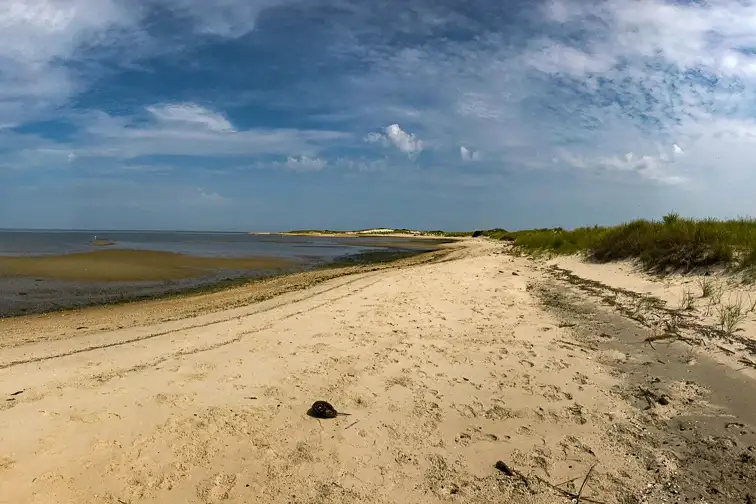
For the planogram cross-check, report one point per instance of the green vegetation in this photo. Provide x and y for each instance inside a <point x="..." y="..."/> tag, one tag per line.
<point x="495" y="234"/>
<point x="447" y="234"/>
<point x="670" y="244"/>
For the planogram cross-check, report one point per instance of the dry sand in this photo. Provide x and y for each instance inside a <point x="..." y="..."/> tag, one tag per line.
<point x="445" y="367"/>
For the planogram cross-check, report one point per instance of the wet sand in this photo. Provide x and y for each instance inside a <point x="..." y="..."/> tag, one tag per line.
<point x="116" y="265"/>
<point x="38" y="284"/>
<point x="471" y="376"/>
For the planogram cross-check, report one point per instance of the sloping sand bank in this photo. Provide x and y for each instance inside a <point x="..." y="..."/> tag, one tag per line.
<point x="445" y="367"/>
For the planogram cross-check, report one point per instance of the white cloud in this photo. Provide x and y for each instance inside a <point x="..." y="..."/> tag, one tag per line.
<point x="36" y="35"/>
<point x="468" y="155"/>
<point x="39" y="39"/>
<point x="209" y="197"/>
<point x="225" y="18"/>
<point x="374" y="137"/>
<point x="405" y="142"/>
<point x="296" y="164"/>
<point x="362" y="164"/>
<point x="548" y="56"/>
<point x="305" y="164"/>
<point x="105" y="140"/>
<point x="654" y="168"/>
<point x="598" y="79"/>
<point x="678" y="69"/>
<point x="191" y="130"/>
<point x="190" y="114"/>
<point x="395" y="136"/>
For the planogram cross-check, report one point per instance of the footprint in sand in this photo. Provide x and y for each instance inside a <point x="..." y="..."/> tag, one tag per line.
<point x="580" y="378"/>
<point x="318" y="348"/>
<point x="6" y="463"/>
<point x="84" y="417"/>
<point x="172" y="399"/>
<point x="217" y="488"/>
<point x="302" y="453"/>
<point x="402" y="381"/>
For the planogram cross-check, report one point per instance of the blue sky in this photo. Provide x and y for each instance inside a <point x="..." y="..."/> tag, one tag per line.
<point x="276" y="114"/>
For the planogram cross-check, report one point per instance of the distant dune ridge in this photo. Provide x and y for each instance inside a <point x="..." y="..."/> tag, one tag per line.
<point x="376" y="231"/>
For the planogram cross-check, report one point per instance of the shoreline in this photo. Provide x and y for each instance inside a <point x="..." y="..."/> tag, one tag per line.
<point x="114" y="277"/>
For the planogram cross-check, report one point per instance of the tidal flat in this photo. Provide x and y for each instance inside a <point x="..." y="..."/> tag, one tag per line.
<point x="36" y="284"/>
<point x="40" y="284"/>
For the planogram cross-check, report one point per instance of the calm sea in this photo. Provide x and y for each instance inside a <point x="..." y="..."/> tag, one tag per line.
<point x="21" y="242"/>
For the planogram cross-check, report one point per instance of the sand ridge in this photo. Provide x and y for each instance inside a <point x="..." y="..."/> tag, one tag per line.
<point x="446" y="367"/>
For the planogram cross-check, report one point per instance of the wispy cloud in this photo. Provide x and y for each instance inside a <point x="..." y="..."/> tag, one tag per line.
<point x="51" y="50"/>
<point x="599" y="79"/>
<point x="209" y="197"/>
<point x="654" y="70"/>
<point x="654" y="168"/>
<point x="305" y="164"/>
<point x="191" y="130"/>
<point x="226" y="18"/>
<point x="36" y="36"/>
<point x="468" y="155"/>
<point x="190" y="114"/>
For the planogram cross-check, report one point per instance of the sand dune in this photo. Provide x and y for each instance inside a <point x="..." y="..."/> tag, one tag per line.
<point x="445" y="367"/>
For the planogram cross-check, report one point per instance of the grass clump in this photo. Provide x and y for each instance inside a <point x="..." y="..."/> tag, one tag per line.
<point x="687" y="301"/>
<point x="707" y="286"/>
<point x="670" y="244"/>
<point x="558" y="240"/>
<point x="731" y="315"/>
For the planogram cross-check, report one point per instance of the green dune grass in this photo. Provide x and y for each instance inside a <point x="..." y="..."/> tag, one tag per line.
<point x="673" y="243"/>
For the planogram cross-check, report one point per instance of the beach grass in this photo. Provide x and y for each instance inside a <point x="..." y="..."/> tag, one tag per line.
<point x="115" y="265"/>
<point x="672" y="243"/>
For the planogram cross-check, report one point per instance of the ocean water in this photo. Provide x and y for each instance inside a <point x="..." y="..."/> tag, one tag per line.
<point x="308" y="248"/>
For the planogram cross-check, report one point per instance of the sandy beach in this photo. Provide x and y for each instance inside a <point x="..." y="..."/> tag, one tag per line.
<point x="470" y="375"/>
